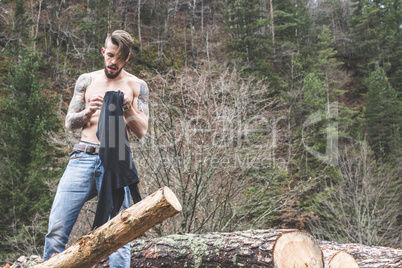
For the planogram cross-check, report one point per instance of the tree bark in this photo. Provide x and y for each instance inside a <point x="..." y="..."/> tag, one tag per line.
<point x="139" y="25"/>
<point x="126" y="226"/>
<point x="262" y="248"/>
<point x="249" y="249"/>
<point x="365" y="256"/>
<point x="271" y="8"/>
<point x="192" y="28"/>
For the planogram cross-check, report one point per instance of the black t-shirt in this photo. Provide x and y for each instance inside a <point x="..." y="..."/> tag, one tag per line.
<point x="116" y="157"/>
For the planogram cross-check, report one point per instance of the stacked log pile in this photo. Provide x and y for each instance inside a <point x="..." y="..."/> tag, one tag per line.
<point x="276" y="248"/>
<point x="256" y="248"/>
<point x="365" y="256"/>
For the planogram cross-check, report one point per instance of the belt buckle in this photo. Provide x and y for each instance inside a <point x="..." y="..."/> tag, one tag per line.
<point x="91" y="149"/>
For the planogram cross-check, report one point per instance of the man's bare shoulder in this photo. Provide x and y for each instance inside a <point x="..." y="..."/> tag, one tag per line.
<point x="83" y="81"/>
<point x="135" y="83"/>
<point x="96" y="74"/>
<point x="88" y="77"/>
<point x="134" y="79"/>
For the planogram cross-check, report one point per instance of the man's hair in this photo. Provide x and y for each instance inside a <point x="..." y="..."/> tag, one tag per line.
<point x="123" y="40"/>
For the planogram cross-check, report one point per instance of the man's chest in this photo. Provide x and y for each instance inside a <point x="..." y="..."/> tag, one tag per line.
<point x="100" y="88"/>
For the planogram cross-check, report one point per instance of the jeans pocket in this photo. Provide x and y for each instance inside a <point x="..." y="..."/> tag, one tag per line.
<point x="76" y="155"/>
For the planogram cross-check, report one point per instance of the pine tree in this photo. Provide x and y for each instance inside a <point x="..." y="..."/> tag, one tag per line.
<point x="383" y="115"/>
<point x="27" y="115"/>
<point x="393" y="41"/>
<point x="245" y="21"/>
<point x="376" y="35"/>
<point x="318" y="91"/>
<point x="22" y="23"/>
<point x="315" y="92"/>
<point x="366" y="22"/>
<point x="319" y="96"/>
<point x="288" y="22"/>
<point x="97" y="23"/>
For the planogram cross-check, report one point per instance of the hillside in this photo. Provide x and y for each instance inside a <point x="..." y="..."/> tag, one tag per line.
<point x="264" y="114"/>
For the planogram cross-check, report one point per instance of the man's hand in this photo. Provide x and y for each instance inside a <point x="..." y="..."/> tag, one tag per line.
<point x="127" y="104"/>
<point x="95" y="103"/>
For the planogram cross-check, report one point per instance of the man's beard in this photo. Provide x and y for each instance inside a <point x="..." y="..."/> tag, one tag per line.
<point x="112" y="76"/>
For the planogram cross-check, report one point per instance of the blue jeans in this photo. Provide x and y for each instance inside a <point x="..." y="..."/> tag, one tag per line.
<point x="81" y="182"/>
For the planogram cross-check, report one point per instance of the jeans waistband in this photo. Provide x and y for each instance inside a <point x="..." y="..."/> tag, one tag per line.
<point x="87" y="147"/>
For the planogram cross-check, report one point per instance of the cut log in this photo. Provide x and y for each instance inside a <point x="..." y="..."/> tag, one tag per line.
<point x="341" y="259"/>
<point x="337" y="258"/>
<point x="126" y="226"/>
<point x="297" y="249"/>
<point x="365" y="256"/>
<point x="285" y="248"/>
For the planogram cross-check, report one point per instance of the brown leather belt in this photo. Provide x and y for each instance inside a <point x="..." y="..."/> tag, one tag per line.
<point x="90" y="149"/>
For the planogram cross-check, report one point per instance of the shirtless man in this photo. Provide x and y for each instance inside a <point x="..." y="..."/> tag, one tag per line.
<point x="83" y="176"/>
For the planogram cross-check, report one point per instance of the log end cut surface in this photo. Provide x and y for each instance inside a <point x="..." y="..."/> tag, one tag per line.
<point x="297" y="249"/>
<point x="171" y="199"/>
<point x="342" y="259"/>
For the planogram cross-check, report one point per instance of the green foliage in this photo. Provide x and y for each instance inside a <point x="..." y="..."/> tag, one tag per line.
<point x="297" y="60"/>
<point x="244" y="21"/>
<point x="383" y="115"/>
<point x="22" y="23"/>
<point x="292" y="21"/>
<point x="366" y="23"/>
<point x="376" y="32"/>
<point x="149" y="59"/>
<point x="27" y="115"/>
<point x="393" y="41"/>
<point x="318" y="93"/>
<point x="315" y="92"/>
<point x="326" y="53"/>
<point x="5" y="59"/>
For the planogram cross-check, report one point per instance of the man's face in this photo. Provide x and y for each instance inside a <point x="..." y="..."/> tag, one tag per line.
<point x="113" y="67"/>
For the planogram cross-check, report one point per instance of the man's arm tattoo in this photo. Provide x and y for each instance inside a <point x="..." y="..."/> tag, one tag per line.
<point x="76" y="118"/>
<point x="143" y="99"/>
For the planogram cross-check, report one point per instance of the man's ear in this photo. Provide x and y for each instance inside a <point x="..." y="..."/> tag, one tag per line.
<point x="103" y="50"/>
<point x="128" y="57"/>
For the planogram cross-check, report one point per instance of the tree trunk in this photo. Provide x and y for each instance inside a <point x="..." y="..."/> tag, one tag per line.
<point x="139" y="26"/>
<point x="271" y="8"/>
<point x="264" y="9"/>
<point x="273" y="248"/>
<point x="192" y="28"/>
<point x="342" y="259"/>
<point x="126" y="226"/>
<point x="366" y="256"/>
<point x="253" y="249"/>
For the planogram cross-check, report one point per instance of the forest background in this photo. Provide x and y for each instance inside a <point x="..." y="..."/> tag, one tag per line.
<point x="264" y="113"/>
